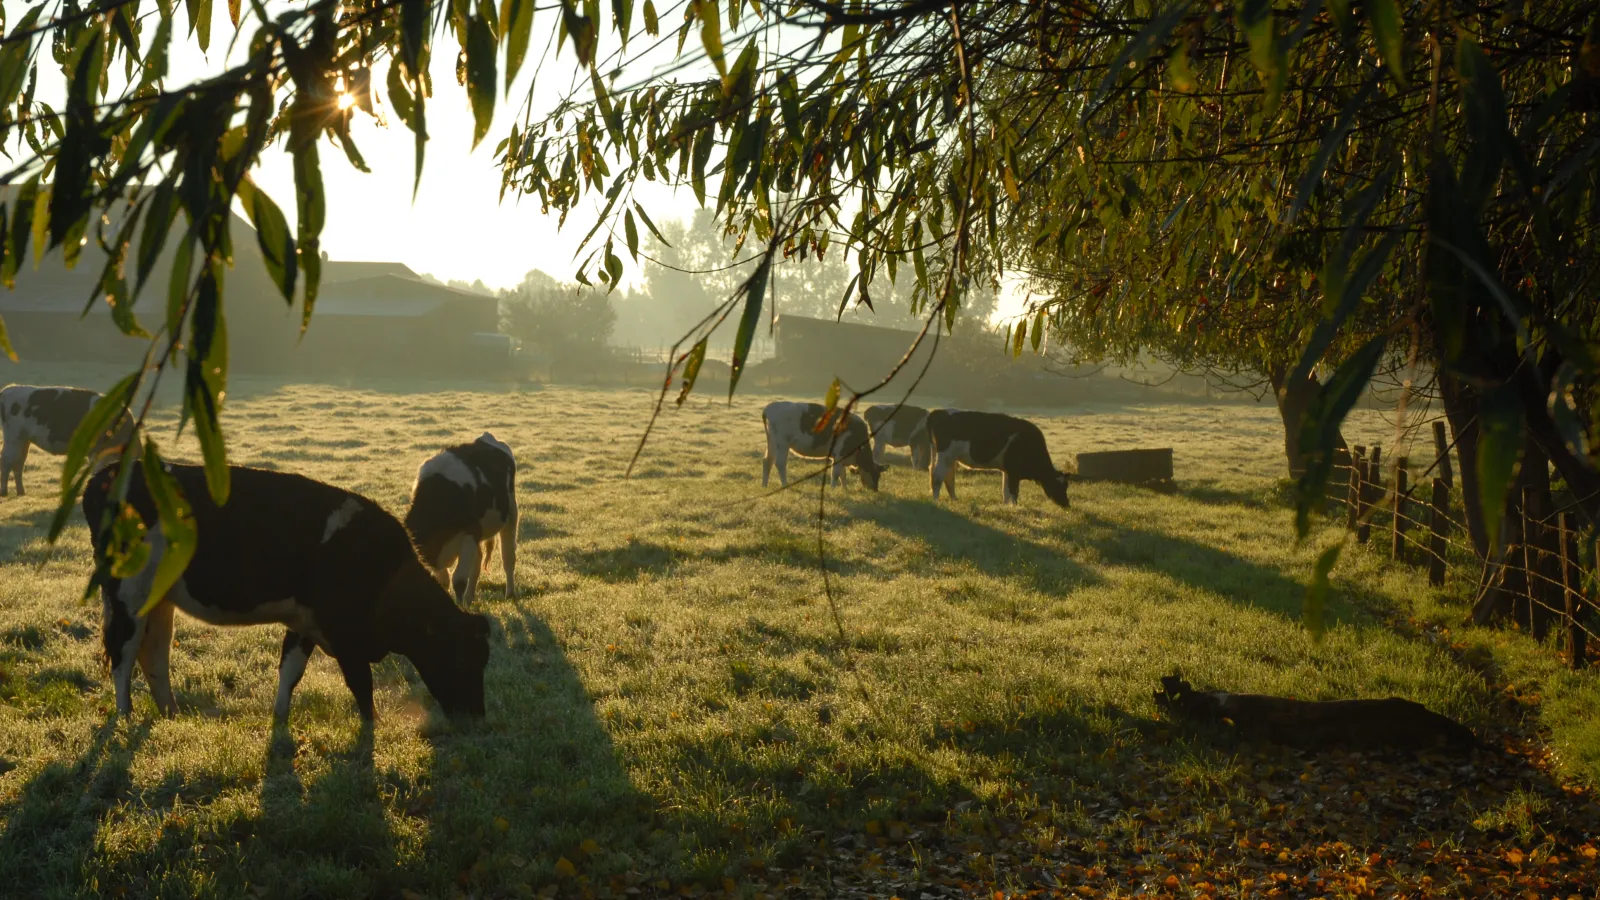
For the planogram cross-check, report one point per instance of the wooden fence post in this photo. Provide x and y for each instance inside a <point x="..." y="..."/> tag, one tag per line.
<point x="1397" y="540"/>
<point x="1442" y="452"/>
<point x="1437" y="525"/>
<point x="1371" y="492"/>
<point x="1526" y="538"/>
<point x="1353" y="493"/>
<point x="1572" y="589"/>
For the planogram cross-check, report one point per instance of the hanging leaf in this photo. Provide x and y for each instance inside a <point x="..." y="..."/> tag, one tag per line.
<point x="1319" y="431"/>
<point x="1388" y="33"/>
<point x="830" y="402"/>
<point x="414" y="33"/>
<point x="652" y="25"/>
<point x="631" y="232"/>
<point x="481" y="79"/>
<point x="272" y="233"/>
<point x="516" y="17"/>
<point x="205" y="382"/>
<point x="754" y="291"/>
<point x="1312" y="613"/>
<point x="102" y="419"/>
<point x="5" y="342"/>
<point x="650" y="225"/>
<point x="711" y="33"/>
<point x="179" y="537"/>
<point x="691" y="368"/>
<point x="311" y="206"/>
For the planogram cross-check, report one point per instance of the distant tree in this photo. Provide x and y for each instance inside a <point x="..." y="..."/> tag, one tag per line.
<point x="557" y="321"/>
<point x="476" y="286"/>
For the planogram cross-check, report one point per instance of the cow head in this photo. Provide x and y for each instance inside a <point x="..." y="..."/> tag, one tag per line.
<point x="449" y="647"/>
<point x="1055" y="487"/>
<point x="869" y="469"/>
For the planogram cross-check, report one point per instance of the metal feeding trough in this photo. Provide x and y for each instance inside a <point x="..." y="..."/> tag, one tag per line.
<point x="1148" y="468"/>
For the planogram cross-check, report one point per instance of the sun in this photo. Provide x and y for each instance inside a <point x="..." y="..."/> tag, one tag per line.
<point x="346" y="100"/>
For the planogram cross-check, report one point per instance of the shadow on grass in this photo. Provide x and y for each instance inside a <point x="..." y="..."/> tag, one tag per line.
<point x="18" y="529"/>
<point x="537" y="781"/>
<point x="626" y="563"/>
<point x="50" y="829"/>
<point x="1277" y="495"/>
<point x="954" y="535"/>
<point x="1203" y="567"/>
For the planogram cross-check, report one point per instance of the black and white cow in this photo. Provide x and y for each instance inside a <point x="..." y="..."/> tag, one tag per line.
<point x="331" y="566"/>
<point x="790" y="426"/>
<point x="903" y="427"/>
<point x="46" y="417"/>
<point x="978" y="440"/>
<point x="464" y="497"/>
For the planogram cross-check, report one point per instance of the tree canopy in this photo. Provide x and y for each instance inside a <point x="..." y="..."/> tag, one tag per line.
<point x="1317" y="185"/>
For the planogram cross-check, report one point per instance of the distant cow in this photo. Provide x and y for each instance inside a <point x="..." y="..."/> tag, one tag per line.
<point x="978" y="440"/>
<point x="791" y="426"/>
<point x="46" y="417"/>
<point x="903" y="427"/>
<point x="330" y="565"/>
<point x="463" y="498"/>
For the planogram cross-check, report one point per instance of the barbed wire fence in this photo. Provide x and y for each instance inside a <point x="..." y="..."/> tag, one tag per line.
<point x="1541" y="578"/>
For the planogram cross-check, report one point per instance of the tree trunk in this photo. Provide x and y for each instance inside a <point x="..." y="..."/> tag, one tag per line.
<point x="1294" y="400"/>
<point x="1461" y="408"/>
<point x="1507" y="592"/>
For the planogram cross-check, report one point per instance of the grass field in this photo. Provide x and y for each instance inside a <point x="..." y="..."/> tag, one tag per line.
<point x="672" y="707"/>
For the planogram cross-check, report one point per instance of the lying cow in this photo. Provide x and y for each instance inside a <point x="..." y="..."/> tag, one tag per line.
<point x="331" y="566"/>
<point x="902" y="427"/>
<point x="792" y="426"/>
<point x="46" y="417"/>
<point x="463" y="498"/>
<point x="978" y="440"/>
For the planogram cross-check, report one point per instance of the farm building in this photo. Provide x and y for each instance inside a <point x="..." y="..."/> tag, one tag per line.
<point x="370" y="317"/>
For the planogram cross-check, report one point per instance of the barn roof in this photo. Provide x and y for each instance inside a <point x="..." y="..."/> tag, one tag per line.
<point x="335" y="271"/>
<point x="396" y="296"/>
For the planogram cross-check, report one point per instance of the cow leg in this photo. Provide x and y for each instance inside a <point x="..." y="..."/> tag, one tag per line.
<point x="950" y="480"/>
<point x="297" y="651"/>
<point x="467" y="569"/>
<point x="1010" y="488"/>
<point x="838" y="472"/>
<point x="766" y="464"/>
<point x="781" y="460"/>
<point x="12" y="459"/>
<point x="877" y="448"/>
<point x="447" y="559"/>
<point x="508" y="555"/>
<point x="155" y="657"/>
<point x="358" y="678"/>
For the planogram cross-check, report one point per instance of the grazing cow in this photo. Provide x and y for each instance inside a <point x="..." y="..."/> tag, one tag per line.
<point x="46" y="417"/>
<point x="331" y="566"/>
<point x="463" y="498"/>
<point x="977" y="440"/>
<point x="791" y="426"/>
<point x="903" y="427"/>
